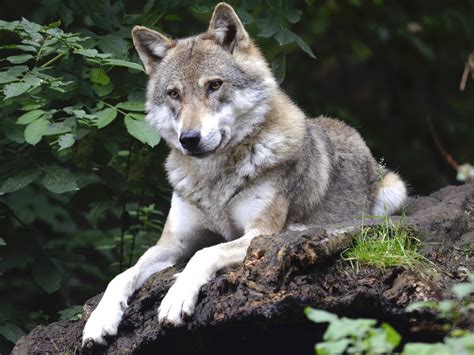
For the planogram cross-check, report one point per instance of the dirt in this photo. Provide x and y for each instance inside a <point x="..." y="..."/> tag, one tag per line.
<point x="258" y="306"/>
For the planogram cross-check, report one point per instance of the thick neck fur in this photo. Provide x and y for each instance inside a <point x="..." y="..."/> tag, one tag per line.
<point x="273" y="142"/>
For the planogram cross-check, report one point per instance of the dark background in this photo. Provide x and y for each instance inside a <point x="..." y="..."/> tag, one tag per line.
<point x="391" y="69"/>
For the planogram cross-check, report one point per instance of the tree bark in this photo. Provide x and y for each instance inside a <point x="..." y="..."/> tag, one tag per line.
<point x="257" y="307"/>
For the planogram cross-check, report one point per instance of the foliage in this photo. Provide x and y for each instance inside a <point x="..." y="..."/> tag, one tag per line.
<point x="383" y="246"/>
<point x="73" y="135"/>
<point x="353" y="336"/>
<point x="456" y="311"/>
<point x="62" y="141"/>
<point x="363" y="336"/>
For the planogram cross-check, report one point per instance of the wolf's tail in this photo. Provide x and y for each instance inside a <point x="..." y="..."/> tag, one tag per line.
<point x="390" y="196"/>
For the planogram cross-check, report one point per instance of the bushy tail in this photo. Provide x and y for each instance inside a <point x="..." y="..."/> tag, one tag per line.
<point x="391" y="195"/>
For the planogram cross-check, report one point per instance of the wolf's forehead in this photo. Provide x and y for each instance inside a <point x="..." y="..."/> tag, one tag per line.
<point x="195" y="58"/>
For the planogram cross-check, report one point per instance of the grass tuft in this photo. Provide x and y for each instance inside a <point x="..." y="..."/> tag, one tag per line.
<point x="384" y="246"/>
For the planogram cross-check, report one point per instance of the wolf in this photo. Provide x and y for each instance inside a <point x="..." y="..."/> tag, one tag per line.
<point x="244" y="161"/>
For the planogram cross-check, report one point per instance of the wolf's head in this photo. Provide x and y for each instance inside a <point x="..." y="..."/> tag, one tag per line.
<point x="205" y="92"/>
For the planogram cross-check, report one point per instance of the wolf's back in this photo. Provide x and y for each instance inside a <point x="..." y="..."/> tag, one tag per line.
<point x="336" y="178"/>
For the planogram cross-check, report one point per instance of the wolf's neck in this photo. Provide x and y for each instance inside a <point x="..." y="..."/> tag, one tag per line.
<point x="274" y="141"/>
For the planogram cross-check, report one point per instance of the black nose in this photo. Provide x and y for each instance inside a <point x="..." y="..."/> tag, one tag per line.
<point x="190" y="140"/>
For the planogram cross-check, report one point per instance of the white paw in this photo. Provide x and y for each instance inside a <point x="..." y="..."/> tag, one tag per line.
<point x="103" y="321"/>
<point x="179" y="302"/>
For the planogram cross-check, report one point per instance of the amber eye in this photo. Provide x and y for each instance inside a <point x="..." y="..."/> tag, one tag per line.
<point x="174" y="94"/>
<point x="215" y="85"/>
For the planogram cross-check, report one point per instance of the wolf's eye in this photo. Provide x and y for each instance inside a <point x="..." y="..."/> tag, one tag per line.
<point x="215" y="85"/>
<point x="174" y="94"/>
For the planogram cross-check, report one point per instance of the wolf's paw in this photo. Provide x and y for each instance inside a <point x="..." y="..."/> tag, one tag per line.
<point x="104" y="321"/>
<point x="179" y="302"/>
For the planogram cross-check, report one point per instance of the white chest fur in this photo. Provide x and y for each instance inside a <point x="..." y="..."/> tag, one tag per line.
<point x="226" y="194"/>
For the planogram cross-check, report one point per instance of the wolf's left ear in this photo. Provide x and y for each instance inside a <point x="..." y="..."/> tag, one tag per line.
<point x="226" y="27"/>
<point x="151" y="46"/>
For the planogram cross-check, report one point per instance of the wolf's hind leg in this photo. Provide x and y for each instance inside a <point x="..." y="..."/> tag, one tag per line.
<point x="181" y="237"/>
<point x="390" y="196"/>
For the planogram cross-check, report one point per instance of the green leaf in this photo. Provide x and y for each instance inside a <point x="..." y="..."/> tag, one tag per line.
<point x="105" y="117"/>
<point x="115" y="45"/>
<point x="12" y="74"/>
<point x="302" y="44"/>
<point x="99" y="76"/>
<point x="285" y="36"/>
<point x="462" y="290"/>
<point x="6" y="78"/>
<point x="19" y="46"/>
<point x="103" y="90"/>
<point x="423" y="304"/>
<point x="458" y="344"/>
<point x="293" y="15"/>
<point x="142" y="131"/>
<point x="138" y="106"/>
<point x="345" y="327"/>
<point x="31" y="107"/>
<point x="124" y="63"/>
<point x="244" y="16"/>
<point x="268" y="26"/>
<point x="33" y="80"/>
<point x="319" y="316"/>
<point x="425" y="349"/>
<point x="35" y="131"/>
<point x="59" y="127"/>
<point x="20" y="180"/>
<point x="332" y="347"/>
<point x="446" y="306"/>
<point x="13" y="132"/>
<point x="29" y="117"/>
<point x="46" y="275"/>
<point x="15" y="89"/>
<point x="89" y="53"/>
<point x="392" y="336"/>
<point x="148" y="6"/>
<point x="66" y="141"/>
<point x="16" y="71"/>
<point x="58" y="179"/>
<point x="71" y="313"/>
<point x="18" y="59"/>
<point x="174" y="17"/>
<point x="11" y="332"/>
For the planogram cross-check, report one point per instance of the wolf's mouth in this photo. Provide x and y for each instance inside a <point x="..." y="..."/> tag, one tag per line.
<point x="203" y="154"/>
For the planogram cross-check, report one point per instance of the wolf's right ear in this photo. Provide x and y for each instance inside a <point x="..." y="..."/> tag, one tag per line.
<point x="151" y="46"/>
<point x="227" y="29"/>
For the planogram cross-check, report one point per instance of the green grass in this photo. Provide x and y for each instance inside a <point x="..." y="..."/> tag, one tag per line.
<point x="384" y="246"/>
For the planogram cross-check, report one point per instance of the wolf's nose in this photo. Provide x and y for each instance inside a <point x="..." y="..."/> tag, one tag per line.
<point x="190" y="140"/>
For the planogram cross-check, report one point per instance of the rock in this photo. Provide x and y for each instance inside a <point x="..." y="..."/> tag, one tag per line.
<point x="258" y="307"/>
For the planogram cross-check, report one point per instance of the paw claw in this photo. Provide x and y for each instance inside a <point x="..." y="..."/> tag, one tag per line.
<point x="103" y="322"/>
<point x="178" y="304"/>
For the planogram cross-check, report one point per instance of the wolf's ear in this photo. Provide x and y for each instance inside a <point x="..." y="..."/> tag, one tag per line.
<point x="226" y="27"/>
<point x="151" y="46"/>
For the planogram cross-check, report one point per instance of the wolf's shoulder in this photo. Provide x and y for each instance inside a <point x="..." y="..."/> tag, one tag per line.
<point x="340" y="135"/>
<point x="333" y="125"/>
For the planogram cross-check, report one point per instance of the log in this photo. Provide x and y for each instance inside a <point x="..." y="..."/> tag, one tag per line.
<point x="257" y="307"/>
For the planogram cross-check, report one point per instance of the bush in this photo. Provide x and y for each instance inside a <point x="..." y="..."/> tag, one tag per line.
<point x="82" y="186"/>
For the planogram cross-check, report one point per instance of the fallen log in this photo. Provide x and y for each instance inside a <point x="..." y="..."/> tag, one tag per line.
<point x="257" y="307"/>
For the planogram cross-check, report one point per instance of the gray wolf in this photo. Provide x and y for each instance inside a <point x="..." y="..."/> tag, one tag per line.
<point x="244" y="161"/>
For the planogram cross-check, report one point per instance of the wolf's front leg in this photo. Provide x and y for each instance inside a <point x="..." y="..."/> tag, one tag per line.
<point x="267" y="218"/>
<point x="181" y="236"/>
